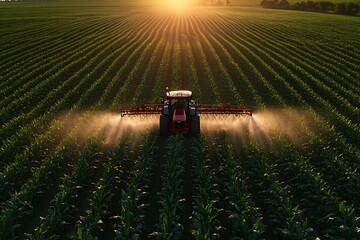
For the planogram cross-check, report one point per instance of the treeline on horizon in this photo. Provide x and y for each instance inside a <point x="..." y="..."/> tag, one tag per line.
<point x="348" y="8"/>
<point x="27" y="0"/>
<point x="195" y="2"/>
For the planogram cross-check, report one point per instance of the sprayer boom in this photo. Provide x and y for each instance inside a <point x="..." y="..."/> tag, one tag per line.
<point x="223" y="109"/>
<point x="201" y="108"/>
<point x="143" y="109"/>
<point x="179" y="113"/>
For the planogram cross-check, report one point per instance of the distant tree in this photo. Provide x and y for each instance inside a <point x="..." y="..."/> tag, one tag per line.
<point x="341" y="8"/>
<point x="283" y="4"/>
<point x="300" y="6"/>
<point x="312" y="6"/>
<point x="268" y="4"/>
<point x="326" y="6"/>
<point x="352" y="8"/>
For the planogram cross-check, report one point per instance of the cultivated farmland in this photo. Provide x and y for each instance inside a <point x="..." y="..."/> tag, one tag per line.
<point x="71" y="167"/>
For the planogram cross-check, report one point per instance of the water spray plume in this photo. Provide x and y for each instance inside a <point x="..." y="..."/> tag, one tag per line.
<point x="111" y="128"/>
<point x="262" y="126"/>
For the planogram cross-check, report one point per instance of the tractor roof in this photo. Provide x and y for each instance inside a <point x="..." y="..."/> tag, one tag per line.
<point x="179" y="94"/>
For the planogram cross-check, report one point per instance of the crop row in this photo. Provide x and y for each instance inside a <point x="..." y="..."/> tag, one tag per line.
<point x="111" y="62"/>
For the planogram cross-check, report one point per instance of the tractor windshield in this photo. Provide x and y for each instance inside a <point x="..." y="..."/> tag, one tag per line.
<point x="179" y="103"/>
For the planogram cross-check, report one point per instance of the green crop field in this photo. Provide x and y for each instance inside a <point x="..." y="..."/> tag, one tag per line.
<point x="72" y="168"/>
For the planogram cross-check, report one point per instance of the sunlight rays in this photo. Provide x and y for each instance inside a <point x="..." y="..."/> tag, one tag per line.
<point x="178" y="5"/>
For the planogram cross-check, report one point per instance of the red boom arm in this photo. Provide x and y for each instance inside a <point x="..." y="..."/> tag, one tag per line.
<point x="223" y="109"/>
<point x="201" y="108"/>
<point x="143" y="109"/>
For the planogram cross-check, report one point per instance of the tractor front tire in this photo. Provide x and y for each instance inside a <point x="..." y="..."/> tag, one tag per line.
<point x="195" y="125"/>
<point x="164" y="125"/>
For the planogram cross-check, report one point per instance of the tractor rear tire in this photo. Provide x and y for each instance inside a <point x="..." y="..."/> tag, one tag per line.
<point x="164" y="125"/>
<point x="195" y="125"/>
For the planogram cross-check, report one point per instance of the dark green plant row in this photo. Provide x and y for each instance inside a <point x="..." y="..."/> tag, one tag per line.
<point x="328" y="214"/>
<point x="243" y="215"/>
<point x="43" y="60"/>
<point x="15" y="212"/>
<point x="131" y="218"/>
<point x="171" y="201"/>
<point x="91" y="224"/>
<point x="53" y="225"/>
<point x="205" y="220"/>
<point x="284" y="219"/>
<point x="312" y="98"/>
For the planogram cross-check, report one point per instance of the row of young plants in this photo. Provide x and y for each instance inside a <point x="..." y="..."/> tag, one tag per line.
<point x="344" y="123"/>
<point x="330" y="74"/>
<point x="326" y="97"/>
<point x="38" y="124"/>
<point x="161" y="73"/>
<point x="284" y="219"/>
<point x="321" y="86"/>
<point x="34" y="105"/>
<point x="342" y="176"/>
<point x="90" y="226"/>
<point x="332" y="56"/>
<point x="193" y="79"/>
<point x="204" y="219"/>
<point x="205" y="66"/>
<point x="243" y="82"/>
<point x="245" y="220"/>
<point x="342" y="147"/>
<point x="151" y="58"/>
<point x="204" y="72"/>
<point x="311" y="74"/>
<point x="330" y="216"/>
<point x="134" y="47"/>
<point x="16" y="211"/>
<point x="139" y="55"/>
<point x="31" y="159"/>
<point x="230" y="93"/>
<point x="171" y="201"/>
<point x="14" y="54"/>
<point x="259" y="34"/>
<point x="14" y="174"/>
<point x="42" y="65"/>
<point x="132" y="205"/>
<point x="22" y="166"/>
<point x="53" y="73"/>
<point x="60" y="214"/>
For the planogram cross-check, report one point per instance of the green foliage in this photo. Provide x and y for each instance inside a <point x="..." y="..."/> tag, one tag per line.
<point x="348" y="8"/>
<point x="60" y="59"/>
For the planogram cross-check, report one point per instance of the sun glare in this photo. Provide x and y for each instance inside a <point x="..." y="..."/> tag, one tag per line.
<point x="176" y="4"/>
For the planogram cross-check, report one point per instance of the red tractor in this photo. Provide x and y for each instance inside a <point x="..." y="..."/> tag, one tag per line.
<point x="180" y="113"/>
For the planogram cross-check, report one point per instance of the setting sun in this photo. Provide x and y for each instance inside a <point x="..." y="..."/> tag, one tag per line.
<point x="175" y="3"/>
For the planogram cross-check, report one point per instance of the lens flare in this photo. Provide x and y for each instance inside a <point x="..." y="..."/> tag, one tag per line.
<point x="175" y="4"/>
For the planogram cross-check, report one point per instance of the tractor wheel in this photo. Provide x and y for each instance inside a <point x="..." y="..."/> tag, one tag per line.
<point x="164" y="125"/>
<point x="195" y="125"/>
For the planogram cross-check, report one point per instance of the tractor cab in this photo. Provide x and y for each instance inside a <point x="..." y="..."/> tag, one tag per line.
<point x="179" y="100"/>
<point x="178" y="113"/>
